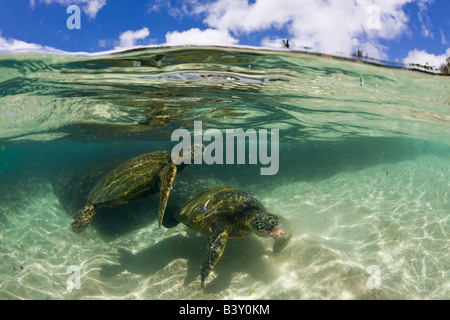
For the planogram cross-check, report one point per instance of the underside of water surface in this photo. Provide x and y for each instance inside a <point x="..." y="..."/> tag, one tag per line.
<point x="362" y="179"/>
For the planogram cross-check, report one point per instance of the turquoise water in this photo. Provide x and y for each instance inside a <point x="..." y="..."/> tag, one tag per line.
<point x="363" y="179"/>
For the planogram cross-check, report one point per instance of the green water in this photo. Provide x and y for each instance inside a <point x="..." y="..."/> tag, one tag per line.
<point x="363" y="179"/>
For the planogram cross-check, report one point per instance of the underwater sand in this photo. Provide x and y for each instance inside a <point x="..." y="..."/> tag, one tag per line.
<point x="394" y="216"/>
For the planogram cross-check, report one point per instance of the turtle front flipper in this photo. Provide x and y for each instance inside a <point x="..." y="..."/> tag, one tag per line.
<point x="167" y="177"/>
<point x="213" y="252"/>
<point x="83" y="218"/>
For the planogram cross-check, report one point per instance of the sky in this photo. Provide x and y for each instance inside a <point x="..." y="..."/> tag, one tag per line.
<point x="408" y="31"/>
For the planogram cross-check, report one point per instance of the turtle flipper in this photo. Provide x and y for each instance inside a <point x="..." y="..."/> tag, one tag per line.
<point x="83" y="218"/>
<point x="170" y="219"/>
<point x="167" y="177"/>
<point x="213" y="252"/>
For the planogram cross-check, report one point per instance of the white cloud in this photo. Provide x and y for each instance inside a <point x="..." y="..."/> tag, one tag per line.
<point x="374" y="50"/>
<point x="274" y="43"/>
<point x="422" y="57"/>
<point x="336" y="27"/>
<point x="196" y="36"/>
<point x="90" y="7"/>
<point x="443" y="39"/>
<point x="10" y="45"/>
<point x="128" y="39"/>
<point x="424" y="19"/>
<point x="177" y="10"/>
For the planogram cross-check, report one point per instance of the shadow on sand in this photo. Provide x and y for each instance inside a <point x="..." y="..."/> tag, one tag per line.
<point x="242" y="256"/>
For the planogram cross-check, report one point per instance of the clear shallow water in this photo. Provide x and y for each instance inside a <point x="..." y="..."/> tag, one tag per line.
<point x="363" y="177"/>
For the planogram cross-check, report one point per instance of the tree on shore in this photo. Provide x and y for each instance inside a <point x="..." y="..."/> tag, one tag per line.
<point x="360" y="54"/>
<point x="445" y="67"/>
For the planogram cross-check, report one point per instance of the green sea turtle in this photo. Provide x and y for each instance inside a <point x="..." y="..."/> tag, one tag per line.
<point x="223" y="213"/>
<point x="135" y="179"/>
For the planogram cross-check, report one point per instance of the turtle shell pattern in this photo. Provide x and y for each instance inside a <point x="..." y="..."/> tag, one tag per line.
<point x="134" y="179"/>
<point x="216" y="209"/>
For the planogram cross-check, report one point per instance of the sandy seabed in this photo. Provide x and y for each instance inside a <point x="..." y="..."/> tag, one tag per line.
<point x="377" y="233"/>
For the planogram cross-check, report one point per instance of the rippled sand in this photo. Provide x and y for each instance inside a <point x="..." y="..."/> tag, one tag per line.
<point x="392" y="216"/>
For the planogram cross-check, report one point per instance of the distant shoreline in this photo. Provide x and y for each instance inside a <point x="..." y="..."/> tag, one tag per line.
<point x="306" y="50"/>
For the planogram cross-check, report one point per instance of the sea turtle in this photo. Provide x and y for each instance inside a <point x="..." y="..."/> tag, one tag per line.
<point x="135" y="179"/>
<point x="223" y="213"/>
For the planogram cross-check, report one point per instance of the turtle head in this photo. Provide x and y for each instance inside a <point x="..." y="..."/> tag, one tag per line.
<point x="266" y="224"/>
<point x="195" y="151"/>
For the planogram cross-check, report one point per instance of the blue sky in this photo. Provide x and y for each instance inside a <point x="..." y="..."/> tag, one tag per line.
<point x="395" y="30"/>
